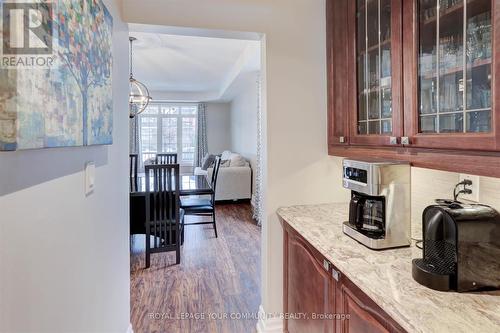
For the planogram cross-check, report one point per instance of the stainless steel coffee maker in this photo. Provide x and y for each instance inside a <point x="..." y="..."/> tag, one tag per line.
<point x="379" y="211"/>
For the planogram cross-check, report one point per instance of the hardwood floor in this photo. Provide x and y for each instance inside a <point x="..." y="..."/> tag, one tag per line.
<point x="216" y="277"/>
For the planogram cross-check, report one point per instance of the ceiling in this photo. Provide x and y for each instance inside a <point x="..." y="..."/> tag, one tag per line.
<point x="191" y="68"/>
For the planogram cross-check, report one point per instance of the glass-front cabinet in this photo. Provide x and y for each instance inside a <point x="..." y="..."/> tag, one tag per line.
<point x="455" y="60"/>
<point x="417" y="80"/>
<point x="377" y="51"/>
<point x="454" y="75"/>
<point x="417" y="74"/>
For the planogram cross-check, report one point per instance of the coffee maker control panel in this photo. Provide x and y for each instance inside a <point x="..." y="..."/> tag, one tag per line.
<point x="356" y="174"/>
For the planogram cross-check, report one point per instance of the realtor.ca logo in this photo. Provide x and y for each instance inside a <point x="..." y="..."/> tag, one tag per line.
<point x="27" y="34"/>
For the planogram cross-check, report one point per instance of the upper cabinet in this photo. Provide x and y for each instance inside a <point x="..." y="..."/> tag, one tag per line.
<point x="337" y="71"/>
<point x="375" y="90"/>
<point x="454" y="67"/>
<point x="450" y="76"/>
<point x="421" y="77"/>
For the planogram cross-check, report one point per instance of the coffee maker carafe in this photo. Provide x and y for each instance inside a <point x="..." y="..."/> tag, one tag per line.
<point x="379" y="211"/>
<point x="367" y="213"/>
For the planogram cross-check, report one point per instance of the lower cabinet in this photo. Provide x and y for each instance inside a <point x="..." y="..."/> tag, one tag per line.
<point x="320" y="299"/>
<point x="362" y="314"/>
<point x="308" y="289"/>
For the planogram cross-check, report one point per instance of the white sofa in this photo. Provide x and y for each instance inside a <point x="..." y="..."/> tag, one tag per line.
<point x="233" y="183"/>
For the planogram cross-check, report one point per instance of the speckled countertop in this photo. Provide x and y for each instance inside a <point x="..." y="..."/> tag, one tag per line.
<point x="385" y="276"/>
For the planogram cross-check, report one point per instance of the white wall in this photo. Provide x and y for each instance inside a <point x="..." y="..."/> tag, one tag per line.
<point x="64" y="257"/>
<point x="297" y="167"/>
<point x="218" y="127"/>
<point x="244" y="111"/>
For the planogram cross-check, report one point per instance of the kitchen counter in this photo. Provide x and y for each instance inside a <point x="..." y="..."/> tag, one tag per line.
<point x="385" y="276"/>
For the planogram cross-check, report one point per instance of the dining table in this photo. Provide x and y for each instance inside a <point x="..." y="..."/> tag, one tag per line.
<point x="189" y="185"/>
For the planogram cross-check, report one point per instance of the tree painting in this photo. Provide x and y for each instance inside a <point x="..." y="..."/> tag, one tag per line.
<point x="7" y="117"/>
<point x="84" y="30"/>
<point x="69" y="103"/>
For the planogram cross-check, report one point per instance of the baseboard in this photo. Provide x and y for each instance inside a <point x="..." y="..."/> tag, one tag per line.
<point x="130" y="329"/>
<point x="268" y="325"/>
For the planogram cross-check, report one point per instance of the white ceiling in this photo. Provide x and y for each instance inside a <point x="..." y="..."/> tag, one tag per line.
<point x="191" y="68"/>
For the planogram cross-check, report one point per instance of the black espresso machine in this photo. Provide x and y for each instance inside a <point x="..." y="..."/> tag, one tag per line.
<point x="461" y="247"/>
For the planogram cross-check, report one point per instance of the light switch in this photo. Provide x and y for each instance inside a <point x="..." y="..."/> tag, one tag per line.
<point x="89" y="178"/>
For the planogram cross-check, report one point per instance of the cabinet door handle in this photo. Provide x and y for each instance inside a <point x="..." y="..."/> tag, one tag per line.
<point x="326" y="264"/>
<point x="342" y="139"/>
<point x="335" y="275"/>
<point x="405" y="140"/>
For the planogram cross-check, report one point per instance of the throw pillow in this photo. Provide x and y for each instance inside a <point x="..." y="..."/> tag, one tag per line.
<point x="237" y="161"/>
<point x="208" y="161"/>
<point x="226" y="155"/>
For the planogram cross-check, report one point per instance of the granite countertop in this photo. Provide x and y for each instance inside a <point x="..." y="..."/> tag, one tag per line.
<point x="385" y="276"/>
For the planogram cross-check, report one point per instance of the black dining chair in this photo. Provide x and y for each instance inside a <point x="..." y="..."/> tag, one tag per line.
<point x="166" y="158"/>
<point x="203" y="206"/>
<point x="134" y="164"/>
<point x="163" y="214"/>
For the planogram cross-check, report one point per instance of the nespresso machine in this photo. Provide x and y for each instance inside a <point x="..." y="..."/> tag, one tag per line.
<point x="461" y="247"/>
<point x="379" y="212"/>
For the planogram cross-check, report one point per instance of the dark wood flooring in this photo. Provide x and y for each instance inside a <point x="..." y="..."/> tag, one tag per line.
<point x="217" y="277"/>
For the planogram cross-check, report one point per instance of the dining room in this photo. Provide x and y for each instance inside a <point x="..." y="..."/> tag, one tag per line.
<point x="161" y="199"/>
<point x="195" y="237"/>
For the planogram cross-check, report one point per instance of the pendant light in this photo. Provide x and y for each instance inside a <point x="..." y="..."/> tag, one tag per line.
<point x="139" y="98"/>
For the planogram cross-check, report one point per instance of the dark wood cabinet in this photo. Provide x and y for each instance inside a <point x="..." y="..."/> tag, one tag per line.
<point x="374" y="81"/>
<point x="422" y="79"/>
<point x="318" y="298"/>
<point x="451" y="58"/>
<point x="360" y="319"/>
<point x="337" y="58"/>
<point x="363" y="314"/>
<point x="308" y="288"/>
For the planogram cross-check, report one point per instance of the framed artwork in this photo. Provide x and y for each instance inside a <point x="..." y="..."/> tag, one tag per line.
<point x="55" y="74"/>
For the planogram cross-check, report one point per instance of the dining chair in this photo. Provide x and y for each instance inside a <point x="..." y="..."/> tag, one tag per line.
<point x="134" y="164"/>
<point x="170" y="158"/>
<point x="163" y="214"/>
<point x="203" y="206"/>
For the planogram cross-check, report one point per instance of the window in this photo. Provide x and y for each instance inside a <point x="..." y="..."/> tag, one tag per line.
<point x="169" y="128"/>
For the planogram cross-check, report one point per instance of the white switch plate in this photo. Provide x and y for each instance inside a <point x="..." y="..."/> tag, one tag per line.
<point x="89" y="178"/>
<point x="475" y="188"/>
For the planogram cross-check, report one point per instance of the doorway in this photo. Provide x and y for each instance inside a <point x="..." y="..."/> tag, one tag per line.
<point x="216" y="287"/>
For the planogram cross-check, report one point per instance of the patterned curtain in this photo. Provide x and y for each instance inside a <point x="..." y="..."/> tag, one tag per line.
<point x="135" y="145"/>
<point x="202" y="134"/>
<point x="258" y="195"/>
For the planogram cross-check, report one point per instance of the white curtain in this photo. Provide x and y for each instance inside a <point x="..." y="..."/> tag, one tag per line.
<point x="202" y="145"/>
<point x="258" y="192"/>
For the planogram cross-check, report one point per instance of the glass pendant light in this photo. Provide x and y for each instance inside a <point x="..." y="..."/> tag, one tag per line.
<point x="139" y="94"/>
